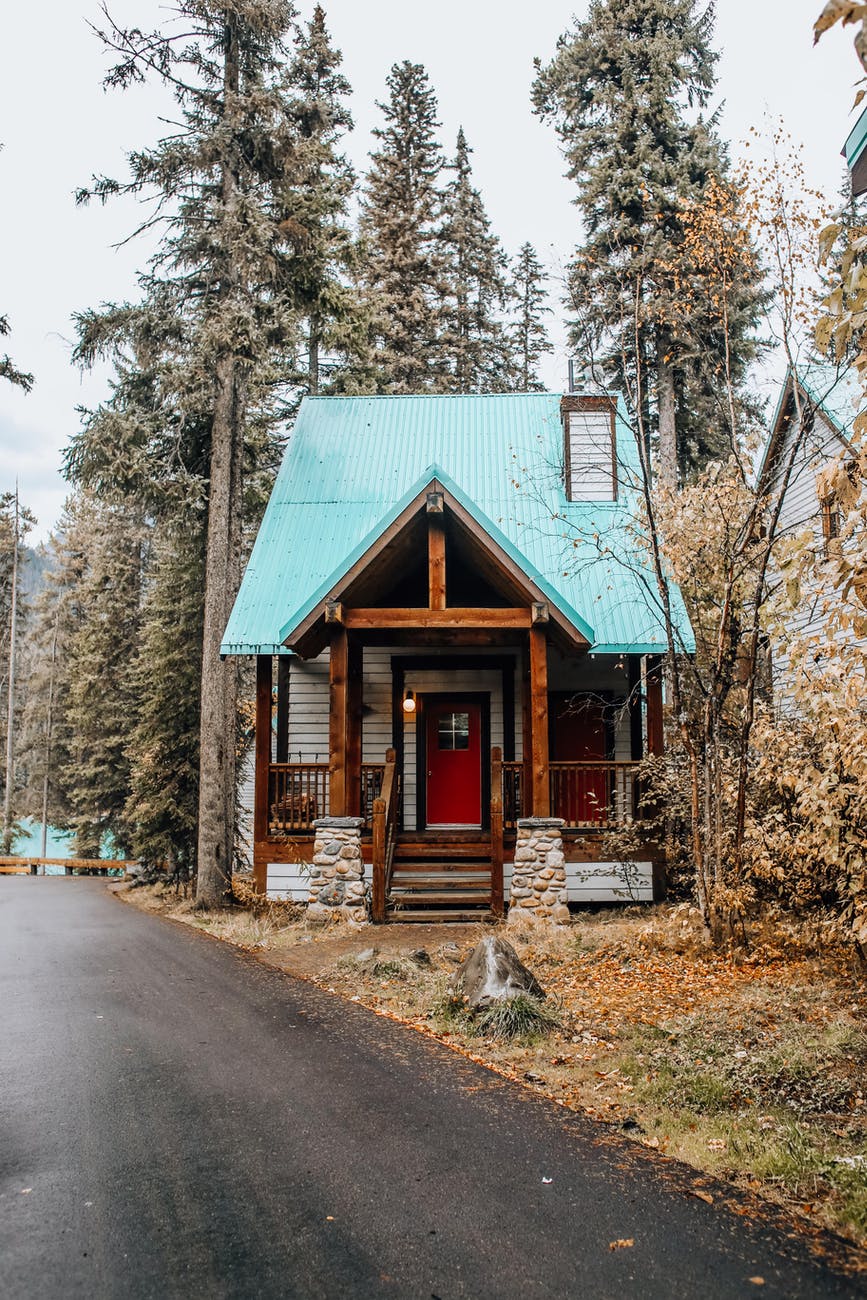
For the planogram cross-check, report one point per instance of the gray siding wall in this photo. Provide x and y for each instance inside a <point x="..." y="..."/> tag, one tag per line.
<point x="801" y="510"/>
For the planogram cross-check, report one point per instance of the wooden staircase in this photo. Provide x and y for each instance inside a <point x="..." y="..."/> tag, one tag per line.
<point x="437" y="879"/>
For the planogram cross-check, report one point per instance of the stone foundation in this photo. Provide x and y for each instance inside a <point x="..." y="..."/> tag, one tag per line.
<point x="539" y="880"/>
<point x="336" y="885"/>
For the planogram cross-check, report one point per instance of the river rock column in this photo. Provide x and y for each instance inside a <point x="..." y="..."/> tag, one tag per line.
<point x="539" y="880"/>
<point x="336" y="885"/>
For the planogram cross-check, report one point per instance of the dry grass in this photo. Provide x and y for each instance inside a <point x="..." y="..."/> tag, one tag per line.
<point x="751" y="1068"/>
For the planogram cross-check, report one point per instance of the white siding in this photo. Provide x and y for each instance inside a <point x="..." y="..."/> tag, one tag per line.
<point x="801" y="509"/>
<point x="602" y="882"/>
<point x="591" y="456"/>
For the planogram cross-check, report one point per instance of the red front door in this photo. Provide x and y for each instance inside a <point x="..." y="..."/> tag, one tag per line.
<point x="578" y="732"/>
<point x="454" y="763"/>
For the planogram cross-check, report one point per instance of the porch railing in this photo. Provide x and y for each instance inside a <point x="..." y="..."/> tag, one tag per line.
<point x="587" y="795"/>
<point x="513" y="794"/>
<point x="592" y="795"/>
<point x="298" y="794"/>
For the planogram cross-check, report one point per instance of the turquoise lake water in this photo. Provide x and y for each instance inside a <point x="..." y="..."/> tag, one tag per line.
<point x="29" y="844"/>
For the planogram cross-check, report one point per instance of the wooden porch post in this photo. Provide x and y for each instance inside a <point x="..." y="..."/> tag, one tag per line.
<point x="262" y="772"/>
<point x="541" y="789"/>
<point x="282" y="709"/>
<point x="634" y="679"/>
<point x="653" y="684"/>
<point x="338" y="722"/>
<point x="353" y="741"/>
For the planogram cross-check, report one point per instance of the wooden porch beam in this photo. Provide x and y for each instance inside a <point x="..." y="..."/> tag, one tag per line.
<point x="263" y="762"/>
<point x="338" y="722"/>
<point x="540" y="793"/>
<point x="358" y="620"/>
<point x="353" y="728"/>
<point x="436" y="561"/>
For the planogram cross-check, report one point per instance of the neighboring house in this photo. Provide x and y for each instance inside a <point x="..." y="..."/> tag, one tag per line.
<point x="455" y="630"/>
<point x="829" y="400"/>
<point x="855" y="153"/>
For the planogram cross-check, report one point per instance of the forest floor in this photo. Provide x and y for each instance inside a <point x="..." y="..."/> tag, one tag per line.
<point x="750" y="1066"/>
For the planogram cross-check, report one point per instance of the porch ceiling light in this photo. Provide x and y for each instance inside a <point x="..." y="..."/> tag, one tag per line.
<point x="409" y="702"/>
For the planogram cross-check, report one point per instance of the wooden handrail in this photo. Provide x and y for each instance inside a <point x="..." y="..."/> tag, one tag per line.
<point x="384" y="837"/>
<point x="497" y="901"/>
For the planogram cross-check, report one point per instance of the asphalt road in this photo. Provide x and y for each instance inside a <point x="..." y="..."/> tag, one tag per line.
<point x="177" y="1120"/>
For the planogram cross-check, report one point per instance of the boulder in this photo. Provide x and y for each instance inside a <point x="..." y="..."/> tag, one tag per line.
<point x="493" y="972"/>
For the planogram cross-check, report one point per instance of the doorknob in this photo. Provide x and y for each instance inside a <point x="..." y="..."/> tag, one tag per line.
<point x="430" y="773"/>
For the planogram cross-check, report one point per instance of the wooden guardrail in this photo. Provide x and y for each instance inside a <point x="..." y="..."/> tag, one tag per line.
<point x="23" y="865"/>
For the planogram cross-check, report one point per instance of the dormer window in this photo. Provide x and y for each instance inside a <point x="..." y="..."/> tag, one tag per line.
<point x="589" y="459"/>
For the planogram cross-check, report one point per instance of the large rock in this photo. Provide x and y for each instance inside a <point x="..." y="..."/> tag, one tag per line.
<point x="493" y="972"/>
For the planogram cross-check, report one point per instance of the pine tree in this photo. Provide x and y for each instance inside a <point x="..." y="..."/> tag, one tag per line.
<point x="15" y="521"/>
<point x="402" y="272"/>
<point x="164" y="740"/>
<point x="221" y="317"/>
<point x="473" y="339"/>
<point x="316" y="199"/>
<point x="100" y="699"/>
<point x="8" y="370"/>
<point x="624" y="90"/>
<point x="529" y="336"/>
<point x="80" y="701"/>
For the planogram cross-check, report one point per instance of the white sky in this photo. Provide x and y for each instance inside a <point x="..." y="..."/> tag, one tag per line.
<point x="58" y="127"/>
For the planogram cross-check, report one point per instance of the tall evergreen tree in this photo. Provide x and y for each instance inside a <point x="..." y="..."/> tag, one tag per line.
<point x="316" y="199"/>
<point x="221" y="316"/>
<point x="80" y="700"/>
<point x="15" y="522"/>
<point x="529" y="336"/>
<point x="473" y="339"/>
<point x="8" y="369"/>
<point x="625" y="90"/>
<point x="402" y="273"/>
<point x="164" y="739"/>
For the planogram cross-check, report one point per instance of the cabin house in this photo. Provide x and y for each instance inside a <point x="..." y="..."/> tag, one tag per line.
<point x="458" y="657"/>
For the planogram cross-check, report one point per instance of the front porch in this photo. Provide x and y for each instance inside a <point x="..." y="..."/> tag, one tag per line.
<point x="414" y="869"/>
<point x="434" y="701"/>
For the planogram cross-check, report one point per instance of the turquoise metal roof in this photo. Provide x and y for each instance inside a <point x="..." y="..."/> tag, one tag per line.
<point x="353" y="463"/>
<point x="837" y="392"/>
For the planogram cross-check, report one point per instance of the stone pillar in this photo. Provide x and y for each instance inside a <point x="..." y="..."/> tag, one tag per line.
<point x="539" y="880"/>
<point x="336" y="887"/>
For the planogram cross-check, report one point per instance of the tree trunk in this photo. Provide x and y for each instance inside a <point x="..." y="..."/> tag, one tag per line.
<point x="219" y="677"/>
<point x="666" y="413"/>
<point x="10" y="701"/>
<point x="313" y="355"/>
<point x="219" y="687"/>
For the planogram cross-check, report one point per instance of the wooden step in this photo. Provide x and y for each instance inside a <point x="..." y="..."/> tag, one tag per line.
<point x="416" y="877"/>
<point x="416" y="866"/>
<point x="433" y="915"/>
<point x="459" y="898"/>
<point x="430" y="849"/>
